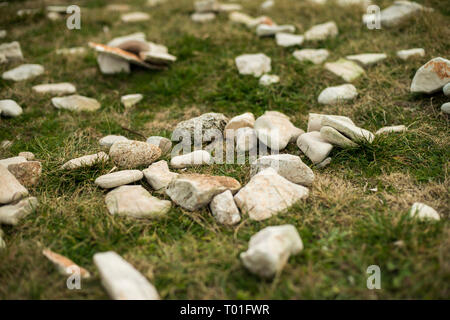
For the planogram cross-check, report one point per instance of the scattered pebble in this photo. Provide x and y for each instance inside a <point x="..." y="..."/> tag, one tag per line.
<point x="76" y="103"/>
<point x="314" y="146"/>
<point x="432" y="76"/>
<point x="410" y="53"/>
<point x="367" y="59"/>
<point x="253" y="64"/>
<point x="446" y="90"/>
<point x="130" y="100"/>
<point x="2" y="242"/>
<point x="397" y="13"/>
<point x="23" y="72"/>
<point x="158" y="175"/>
<point x="346" y="69"/>
<point x="27" y="155"/>
<point x="5" y="144"/>
<point x="333" y="95"/>
<point x="316" y="56"/>
<point x="71" y="51"/>
<point x="224" y="208"/>
<point x="109" y="140"/>
<point x="119" y="178"/>
<point x="391" y="129"/>
<point x="265" y="30"/>
<point x="324" y="163"/>
<point x="267" y="4"/>
<point x="195" y="158"/>
<point x="64" y="265"/>
<point x="446" y="108"/>
<point x="2" y="34"/>
<point x="55" y="88"/>
<point x="14" y="212"/>
<point x="85" y="161"/>
<point x="322" y="31"/>
<point x="268" y="79"/>
<point x="423" y="212"/>
<point x="241" y="121"/>
<point x="11" y="51"/>
<point x="10" y="108"/>
<point x="132" y="154"/>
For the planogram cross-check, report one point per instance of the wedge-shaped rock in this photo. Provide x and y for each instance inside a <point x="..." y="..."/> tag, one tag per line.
<point x="423" y="212"/>
<point x="267" y="194"/>
<point x="346" y="69"/>
<point x="241" y="121"/>
<point x="316" y="56"/>
<point x="432" y="76"/>
<point x="314" y="146"/>
<point x="288" y="40"/>
<point x="367" y="59"/>
<point x="200" y="127"/>
<point x="265" y="30"/>
<point x="130" y="100"/>
<point x="409" y="53"/>
<point x="119" y="178"/>
<point x="76" y="103"/>
<point x="194" y="191"/>
<point x="10" y="189"/>
<point x="163" y="143"/>
<point x="391" y="129"/>
<point x="315" y="120"/>
<point x="14" y="212"/>
<point x="23" y="72"/>
<point x="55" y="88"/>
<point x="353" y="132"/>
<point x="133" y="154"/>
<point x="270" y="249"/>
<point x="135" y="201"/>
<point x="109" y="140"/>
<point x="27" y="173"/>
<point x="158" y="175"/>
<point x="64" y="265"/>
<point x="253" y="64"/>
<point x="121" y="280"/>
<point x="10" y="108"/>
<point x="274" y="130"/>
<point x="322" y="31"/>
<point x="11" y="51"/>
<point x="336" y="138"/>
<point x="286" y="165"/>
<point x="195" y="158"/>
<point x="6" y="162"/>
<point x="338" y="94"/>
<point x="85" y="161"/>
<point x="224" y="208"/>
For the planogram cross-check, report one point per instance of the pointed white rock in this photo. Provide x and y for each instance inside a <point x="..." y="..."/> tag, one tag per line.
<point x="253" y="64"/>
<point x="158" y="175"/>
<point x="130" y="100"/>
<point x="346" y="69"/>
<point x="367" y="59"/>
<point x="316" y="56"/>
<point x="10" y="188"/>
<point x="423" y="212"/>
<point x="224" y="208"/>
<point x="322" y="31"/>
<point x="10" y="108"/>
<point x="338" y="94"/>
<point x="119" y="178"/>
<point x="432" y="76"/>
<point x="409" y="53"/>
<point x="314" y="146"/>
<point x="336" y="138"/>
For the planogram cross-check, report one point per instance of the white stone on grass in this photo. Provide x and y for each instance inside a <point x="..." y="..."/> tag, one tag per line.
<point x="111" y="65"/>
<point x="432" y="76"/>
<point x="315" y="120"/>
<point x="270" y="249"/>
<point x="2" y="34"/>
<point x="85" y="161"/>
<point x="136" y="202"/>
<point x="267" y="194"/>
<point x="203" y="16"/>
<point x="109" y="140"/>
<point x="288" y="166"/>
<point x="400" y="11"/>
<point x="195" y="158"/>
<point x="367" y="59"/>
<point x="7" y="161"/>
<point x="353" y="132"/>
<point x="119" y="178"/>
<point x="423" y="212"/>
<point x="194" y="191"/>
<point x="121" y="280"/>
<point x="27" y="155"/>
<point x="163" y="143"/>
<point x="265" y="30"/>
<point x="200" y="127"/>
<point x="322" y="31"/>
<point x="10" y="189"/>
<point x="336" y="138"/>
<point x="316" y="56"/>
<point x="275" y="130"/>
<point x="5" y="144"/>
<point x="346" y="69"/>
<point x="135" y="17"/>
<point x="391" y="129"/>
<point x="446" y="90"/>
<point x="446" y="108"/>
<point x="268" y="79"/>
<point x="76" y="103"/>
<point x="23" y="72"/>
<point x="224" y="208"/>
<point x="241" y="121"/>
<point x="158" y="175"/>
<point x="314" y="146"/>
<point x="332" y="95"/>
<point x="410" y="53"/>
<point x="55" y="88"/>
<point x="130" y="100"/>
<point x="64" y="265"/>
<point x="10" y="108"/>
<point x="288" y="40"/>
<point x="11" y="51"/>
<point x="253" y="64"/>
<point x="2" y="242"/>
<point x="246" y="139"/>
<point x="14" y="212"/>
<point x="132" y="154"/>
<point x="71" y="51"/>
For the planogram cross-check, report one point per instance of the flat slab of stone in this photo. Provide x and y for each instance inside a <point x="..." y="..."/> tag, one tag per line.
<point x="121" y="280"/>
<point x="314" y="146"/>
<point x="269" y="250"/>
<point x="400" y="11"/>
<point x="11" y="51"/>
<point x="76" y="103"/>
<point x="288" y="40"/>
<point x="132" y="154"/>
<point x="265" y="30"/>
<point x="158" y="175"/>
<point x="367" y="59"/>
<point x="55" y="88"/>
<point x="85" y="161"/>
<point x="119" y="178"/>
<point x="130" y="100"/>
<point x="195" y="158"/>
<point x="253" y="64"/>
<point x="432" y="76"/>
<point x="10" y="108"/>
<point x="423" y="212"/>
<point x="163" y="143"/>
<point x="224" y="208"/>
<point x="315" y="120"/>
<point x="14" y="212"/>
<point x="27" y="173"/>
<point x="346" y="69"/>
<point x="109" y="140"/>
<point x="267" y="194"/>
<point x="391" y="129"/>
<point x="23" y="72"/>
<point x="410" y="53"/>
<point x="353" y="132"/>
<point x="333" y="95"/>
<point x="136" y="202"/>
<point x="322" y="31"/>
<point x="194" y="191"/>
<point x="336" y="138"/>
<point x="10" y="189"/>
<point x="64" y="265"/>
<point x="288" y="166"/>
<point x="316" y="56"/>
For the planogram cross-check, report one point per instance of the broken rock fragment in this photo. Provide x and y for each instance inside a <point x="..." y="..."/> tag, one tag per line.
<point x="253" y="64"/>
<point x="346" y="69"/>
<point x="85" y="161"/>
<point x="10" y="189"/>
<point x="64" y="265"/>
<point x="158" y="175"/>
<point x="332" y="95"/>
<point x="27" y="173"/>
<point x="132" y="154"/>
<point x="76" y="103"/>
<point x="14" y="212"/>
<point x="314" y="146"/>
<point x="432" y="76"/>
<point x="119" y="178"/>
<point x="224" y="208"/>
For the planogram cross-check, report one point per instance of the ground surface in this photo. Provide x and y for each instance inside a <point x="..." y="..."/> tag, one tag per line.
<point x="345" y="227"/>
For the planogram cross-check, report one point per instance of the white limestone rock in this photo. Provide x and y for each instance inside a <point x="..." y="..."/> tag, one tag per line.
<point x="333" y="95"/>
<point x="242" y="18"/>
<point x="316" y="56"/>
<point x="163" y="143"/>
<point x="253" y="64"/>
<point x="268" y="79"/>
<point x="288" y="166"/>
<point x="346" y="69"/>
<point x="55" y="88"/>
<point x="109" y="140"/>
<point x="10" y="189"/>
<point x="10" y="108"/>
<point x="267" y="4"/>
<point x="130" y="100"/>
<point x="432" y="76"/>
<point x="288" y="40"/>
<point x="353" y="132"/>
<point x="119" y="178"/>
<point x="11" y="51"/>
<point x="13" y="160"/>
<point x="446" y="90"/>
<point x="195" y="158"/>
<point x="314" y="146"/>
<point x="241" y="121"/>
<point x="76" y="103"/>
<point x="111" y="65"/>
<point x="322" y="31"/>
<point x="246" y="139"/>
<point x="135" y="17"/>
<point x="27" y="155"/>
<point x="410" y="53"/>
<point x="5" y="144"/>
<point x="265" y="30"/>
<point x="315" y="120"/>
<point x="85" y="161"/>
<point x="336" y="138"/>
<point x="423" y="212"/>
<point x="270" y="249"/>
<point x="132" y="154"/>
<point x="400" y="11"/>
<point x="205" y="6"/>
<point x="136" y="202"/>
<point x="367" y="59"/>
<point x="446" y="108"/>
<point x="224" y="208"/>
<point x="121" y="280"/>
<point x="194" y="191"/>
<point x="158" y="175"/>
<point x="200" y="127"/>
<point x="274" y="131"/>
<point x="267" y="194"/>
<point x="203" y="16"/>
<point x="14" y="212"/>
<point x="391" y="129"/>
<point x="23" y="72"/>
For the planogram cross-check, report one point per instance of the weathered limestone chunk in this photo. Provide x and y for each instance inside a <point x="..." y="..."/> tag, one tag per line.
<point x="315" y="120"/>
<point x="13" y="160"/>
<point x="265" y="30"/>
<point x="11" y="51"/>
<point x="353" y="132"/>
<point x="346" y="69"/>
<point x="316" y="56"/>
<point x="76" y="103"/>
<point x="336" y="138"/>
<point x="131" y="154"/>
<point x="55" y="88"/>
<point x="391" y="129"/>
<point x="423" y="212"/>
<point x="109" y="140"/>
<point x="253" y="64"/>
<point x="119" y="178"/>
<point x="367" y="59"/>
<point x="241" y="121"/>
<point x="14" y="212"/>
<point x="274" y="130"/>
<point x="10" y="108"/>
<point x="200" y="127"/>
<point x="288" y="40"/>
<point x="410" y="53"/>
<point x="158" y="175"/>
<point x="130" y="100"/>
<point x="85" y="161"/>
<point x="10" y="189"/>
<point x="314" y="146"/>
<point x="432" y="76"/>
<point x="337" y="94"/>
<point x="195" y="158"/>
<point x="163" y="143"/>
<point x="23" y="72"/>
<point x="322" y="31"/>
<point x="224" y="208"/>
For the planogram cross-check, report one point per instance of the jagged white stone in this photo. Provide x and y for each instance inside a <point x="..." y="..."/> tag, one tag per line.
<point x="315" y="120"/>
<point x="224" y="208"/>
<point x="337" y="94"/>
<point x="367" y="59"/>
<point x="336" y="138"/>
<point x="314" y="146"/>
<point x="409" y="53"/>
<point x="423" y="212"/>
<point x="158" y="175"/>
<point x="432" y="76"/>
<point x="346" y="69"/>
<point x="253" y="64"/>
<point x="322" y="31"/>
<point x="10" y="189"/>
<point x="316" y="56"/>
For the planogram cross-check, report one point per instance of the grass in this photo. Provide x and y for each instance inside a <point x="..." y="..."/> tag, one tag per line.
<point x="344" y="225"/>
